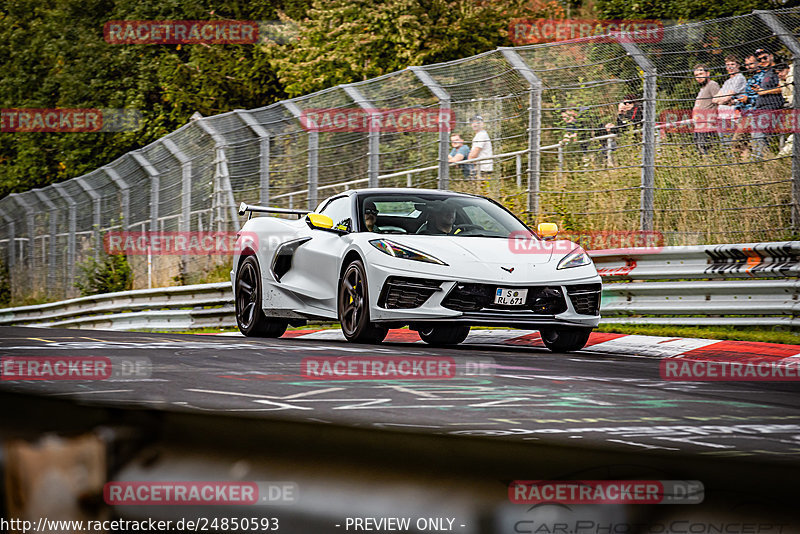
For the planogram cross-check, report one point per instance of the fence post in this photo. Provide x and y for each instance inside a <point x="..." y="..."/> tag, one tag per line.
<point x="789" y="41"/>
<point x="647" y="202"/>
<point x="155" y="187"/>
<point x="51" y="252"/>
<point x="534" y="127"/>
<point x="374" y="140"/>
<point x="124" y="190"/>
<point x="186" y="184"/>
<point x="264" y="153"/>
<point x="444" y="127"/>
<point x="96" y="221"/>
<point x="71" y="229"/>
<point x="221" y="169"/>
<point x="11" y="240"/>
<point x="31" y="224"/>
<point x="313" y="154"/>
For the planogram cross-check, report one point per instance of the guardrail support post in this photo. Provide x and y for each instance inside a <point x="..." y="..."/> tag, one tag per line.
<point x="96" y="221"/>
<point x="186" y="184"/>
<point x="264" y="150"/>
<point x="374" y="139"/>
<point x="155" y="187"/>
<point x="788" y="40"/>
<point x="313" y="154"/>
<point x="221" y="173"/>
<point x="534" y="128"/>
<point x="444" y="123"/>
<point x="124" y="190"/>
<point x="647" y="202"/>
<point x="71" y="229"/>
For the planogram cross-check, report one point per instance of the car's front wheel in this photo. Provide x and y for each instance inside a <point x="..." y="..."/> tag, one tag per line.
<point x="565" y="339"/>
<point x="249" y="315"/>
<point x="354" y="307"/>
<point x="443" y="334"/>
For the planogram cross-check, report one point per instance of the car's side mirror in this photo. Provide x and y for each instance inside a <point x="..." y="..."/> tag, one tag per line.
<point x="319" y="221"/>
<point x="547" y="230"/>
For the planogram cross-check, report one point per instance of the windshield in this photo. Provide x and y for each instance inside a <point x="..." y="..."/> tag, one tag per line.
<point x="436" y="214"/>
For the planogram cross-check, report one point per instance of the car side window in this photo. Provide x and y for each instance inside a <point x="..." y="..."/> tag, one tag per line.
<point x="339" y="210"/>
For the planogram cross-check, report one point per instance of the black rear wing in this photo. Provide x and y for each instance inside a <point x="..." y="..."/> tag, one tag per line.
<point x="245" y="208"/>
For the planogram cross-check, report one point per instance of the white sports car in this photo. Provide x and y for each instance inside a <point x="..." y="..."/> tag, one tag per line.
<point x="436" y="261"/>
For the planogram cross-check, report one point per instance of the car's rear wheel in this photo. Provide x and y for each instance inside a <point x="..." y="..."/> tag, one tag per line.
<point x="443" y="334"/>
<point x="250" y="316"/>
<point x="354" y="307"/>
<point x="565" y="339"/>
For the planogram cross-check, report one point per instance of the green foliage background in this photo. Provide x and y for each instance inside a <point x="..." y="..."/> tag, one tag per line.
<point x="52" y="54"/>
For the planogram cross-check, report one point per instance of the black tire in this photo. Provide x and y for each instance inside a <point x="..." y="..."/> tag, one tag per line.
<point x="565" y="339"/>
<point x="443" y="334"/>
<point x="354" y="307"/>
<point x="249" y="315"/>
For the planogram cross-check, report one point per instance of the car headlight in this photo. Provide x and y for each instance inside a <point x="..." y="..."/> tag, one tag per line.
<point x="577" y="258"/>
<point x="401" y="251"/>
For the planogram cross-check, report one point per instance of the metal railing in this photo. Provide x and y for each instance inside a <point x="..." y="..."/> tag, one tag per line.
<point x="747" y="284"/>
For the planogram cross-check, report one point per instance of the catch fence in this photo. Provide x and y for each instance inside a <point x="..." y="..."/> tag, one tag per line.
<point x="550" y="111"/>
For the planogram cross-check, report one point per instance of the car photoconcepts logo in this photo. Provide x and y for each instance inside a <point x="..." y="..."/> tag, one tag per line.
<point x="181" y="32"/>
<point x="531" y="31"/>
<point x="25" y="368"/>
<point x="378" y="120"/>
<point x="606" y="491"/>
<point x="179" y="243"/>
<point x="199" y="493"/>
<point x="69" y="120"/>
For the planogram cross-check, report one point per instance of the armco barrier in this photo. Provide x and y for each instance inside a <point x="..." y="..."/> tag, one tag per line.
<point x="743" y="284"/>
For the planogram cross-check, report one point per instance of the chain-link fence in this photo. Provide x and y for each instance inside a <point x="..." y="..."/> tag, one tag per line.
<point x="580" y="131"/>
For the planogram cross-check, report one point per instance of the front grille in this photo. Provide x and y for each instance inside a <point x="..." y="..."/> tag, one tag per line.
<point x="585" y="298"/>
<point x="544" y="300"/>
<point x="404" y="293"/>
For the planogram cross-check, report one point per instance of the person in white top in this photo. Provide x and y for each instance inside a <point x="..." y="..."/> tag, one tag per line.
<point x="726" y="112"/>
<point x="481" y="147"/>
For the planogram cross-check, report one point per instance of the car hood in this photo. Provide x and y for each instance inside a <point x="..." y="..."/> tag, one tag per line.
<point x="484" y="250"/>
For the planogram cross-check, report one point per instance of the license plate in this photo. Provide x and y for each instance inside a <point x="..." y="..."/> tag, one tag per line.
<point x="510" y="297"/>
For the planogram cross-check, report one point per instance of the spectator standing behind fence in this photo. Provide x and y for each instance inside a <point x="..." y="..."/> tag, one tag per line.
<point x="577" y="129"/>
<point x="786" y="75"/>
<point x="745" y="102"/>
<point x="770" y="98"/>
<point x="629" y="114"/>
<point x="726" y="110"/>
<point x="481" y="148"/>
<point x="460" y="152"/>
<point x="704" y="113"/>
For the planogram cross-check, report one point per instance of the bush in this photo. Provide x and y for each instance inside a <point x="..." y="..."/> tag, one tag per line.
<point x="112" y="273"/>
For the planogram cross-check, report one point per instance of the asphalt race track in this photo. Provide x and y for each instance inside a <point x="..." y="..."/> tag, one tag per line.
<point x="528" y="394"/>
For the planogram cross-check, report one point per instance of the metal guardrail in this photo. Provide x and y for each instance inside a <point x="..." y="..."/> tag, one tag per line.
<point x="742" y="284"/>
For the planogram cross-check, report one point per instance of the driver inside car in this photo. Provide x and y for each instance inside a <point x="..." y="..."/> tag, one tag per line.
<point x="371" y="217"/>
<point x="441" y="219"/>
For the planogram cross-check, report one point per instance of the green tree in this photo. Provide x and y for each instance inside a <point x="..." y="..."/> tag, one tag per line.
<point x="684" y="9"/>
<point x="108" y="274"/>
